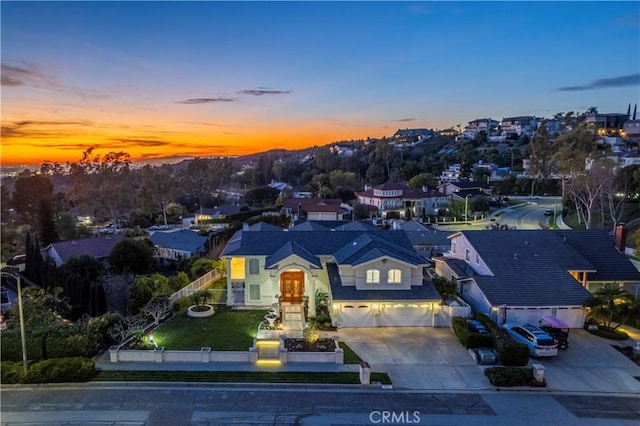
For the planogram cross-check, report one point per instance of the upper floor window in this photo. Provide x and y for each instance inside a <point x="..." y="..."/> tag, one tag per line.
<point x="373" y="276"/>
<point x="254" y="266"/>
<point x="467" y="254"/>
<point x="453" y="246"/>
<point x="394" y="276"/>
<point x="477" y="258"/>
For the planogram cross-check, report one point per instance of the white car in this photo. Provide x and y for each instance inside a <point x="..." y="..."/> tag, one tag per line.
<point x="539" y="342"/>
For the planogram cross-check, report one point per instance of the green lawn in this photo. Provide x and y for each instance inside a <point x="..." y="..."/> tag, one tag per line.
<point x="220" y="283"/>
<point x="350" y="357"/>
<point x="233" y="376"/>
<point x="225" y="331"/>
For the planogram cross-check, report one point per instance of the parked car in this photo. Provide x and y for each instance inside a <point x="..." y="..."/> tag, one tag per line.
<point x="556" y="329"/>
<point x="539" y="342"/>
<point x="548" y="212"/>
<point x="476" y="326"/>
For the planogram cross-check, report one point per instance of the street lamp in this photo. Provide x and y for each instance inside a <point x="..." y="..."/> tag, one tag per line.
<point x="466" y="208"/>
<point x="21" y="315"/>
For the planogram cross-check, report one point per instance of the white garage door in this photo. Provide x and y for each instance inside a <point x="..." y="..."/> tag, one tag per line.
<point x="401" y="315"/>
<point x="573" y="317"/>
<point x="356" y="316"/>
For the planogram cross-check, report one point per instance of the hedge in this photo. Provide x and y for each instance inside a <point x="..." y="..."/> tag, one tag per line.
<point x="512" y="353"/>
<point x="58" y="370"/>
<point x="43" y="346"/>
<point x="512" y="376"/>
<point x="11" y="345"/>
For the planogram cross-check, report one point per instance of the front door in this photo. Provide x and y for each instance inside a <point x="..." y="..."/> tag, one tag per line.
<point x="292" y="286"/>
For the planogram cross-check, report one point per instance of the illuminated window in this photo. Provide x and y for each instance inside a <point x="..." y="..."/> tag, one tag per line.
<point x="254" y="266"/>
<point x="237" y="268"/>
<point x="373" y="276"/>
<point x="394" y="276"/>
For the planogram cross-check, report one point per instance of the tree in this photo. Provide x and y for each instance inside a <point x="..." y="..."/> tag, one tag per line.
<point x="262" y="196"/>
<point x="201" y="266"/>
<point x="157" y="189"/>
<point x="448" y="289"/>
<point x="198" y="180"/>
<point x="29" y="194"/>
<point x="541" y="152"/>
<point x="157" y="308"/>
<point x="132" y="256"/>
<point x="587" y="188"/>
<point x="86" y="267"/>
<point x="179" y="281"/>
<point x="608" y="301"/>
<point x="423" y="180"/>
<point x="126" y="328"/>
<point x="46" y="223"/>
<point x="145" y="288"/>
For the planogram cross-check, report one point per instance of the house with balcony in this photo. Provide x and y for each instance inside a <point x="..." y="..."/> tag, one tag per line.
<point x="400" y="201"/>
<point x="519" y="126"/>
<point x="476" y="126"/>
<point x="371" y="277"/>
<point x="521" y="276"/>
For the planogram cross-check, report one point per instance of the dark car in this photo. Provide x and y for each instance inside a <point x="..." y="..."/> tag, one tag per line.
<point x="476" y="326"/>
<point x="548" y="212"/>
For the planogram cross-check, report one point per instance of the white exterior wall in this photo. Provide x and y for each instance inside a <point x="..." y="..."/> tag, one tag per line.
<point x="405" y="278"/>
<point x="572" y="316"/>
<point x="472" y="294"/>
<point x="172" y="254"/>
<point x="461" y="245"/>
<point x="322" y="216"/>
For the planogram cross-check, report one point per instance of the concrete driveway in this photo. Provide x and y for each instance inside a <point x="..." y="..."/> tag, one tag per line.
<point x="417" y="357"/>
<point x="433" y="358"/>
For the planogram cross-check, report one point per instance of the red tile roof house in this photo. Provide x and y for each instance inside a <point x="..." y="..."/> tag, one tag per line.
<point x="98" y="247"/>
<point x="398" y="200"/>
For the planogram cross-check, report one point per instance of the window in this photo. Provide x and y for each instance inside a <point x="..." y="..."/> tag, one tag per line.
<point x="237" y="268"/>
<point x="394" y="276"/>
<point x="254" y="291"/>
<point x="373" y="276"/>
<point x="467" y="254"/>
<point x="254" y="266"/>
<point x="477" y="258"/>
<point x="453" y="246"/>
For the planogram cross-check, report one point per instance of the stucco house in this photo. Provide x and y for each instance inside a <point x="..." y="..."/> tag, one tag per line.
<point x="316" y="208"/>
<point x="398" y="200"/>
<point x="372" y="277"/>
<point x="521" y="276"/>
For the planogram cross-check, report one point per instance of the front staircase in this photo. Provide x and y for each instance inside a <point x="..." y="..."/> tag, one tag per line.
<point x="292" y="318"/>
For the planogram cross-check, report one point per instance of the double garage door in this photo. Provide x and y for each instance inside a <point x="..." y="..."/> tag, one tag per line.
<point x="573" y="317"/>
<point x="396" y="315"/>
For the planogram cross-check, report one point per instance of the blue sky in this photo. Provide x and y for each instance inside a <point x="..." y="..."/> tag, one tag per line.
<point x="164" y="79"/>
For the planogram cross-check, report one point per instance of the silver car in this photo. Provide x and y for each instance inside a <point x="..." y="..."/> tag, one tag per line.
<point x="539" y="342"/>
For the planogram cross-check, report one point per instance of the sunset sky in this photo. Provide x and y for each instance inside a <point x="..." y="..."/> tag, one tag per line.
<point x="166" y="80"/>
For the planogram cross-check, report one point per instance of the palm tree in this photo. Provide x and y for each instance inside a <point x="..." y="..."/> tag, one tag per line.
<point x="608" y="301"/>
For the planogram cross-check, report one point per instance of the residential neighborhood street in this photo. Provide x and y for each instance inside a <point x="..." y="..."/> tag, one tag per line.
<point x="210" y="404"/>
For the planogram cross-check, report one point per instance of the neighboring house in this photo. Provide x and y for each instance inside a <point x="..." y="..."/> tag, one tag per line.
<point x="315" y="208"/>
<point x="631" y="129"/>
<point x="481" y="124"/>
<point x="217" y="213"/>
<point x="452" y="174"/>
<point x="426" y="240"/>
<point x="372" y="277"/>
<point x="459" y="190"/>
<point x="179" y="244"/>
<point x="99" y="247"/>
<point x="518" y="126"/>
<point x="396" y="200"/>
<point x="629" y="159"/>
<point x="280" y="186"/>
<point x="607" y="124"/>
<point x="521" y="276"/>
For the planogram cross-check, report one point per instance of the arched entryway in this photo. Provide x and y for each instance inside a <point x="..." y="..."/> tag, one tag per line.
<point x="292" y="286"/>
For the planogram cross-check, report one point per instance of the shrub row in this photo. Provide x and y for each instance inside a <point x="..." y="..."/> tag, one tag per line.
<point x="44" y="346"/>
<point x="609" y="333"/>
<point x="467" y="338"/>
<point x="512" y="376"/>
<point x="511" y="353"/>
<point x="58" y="370"/>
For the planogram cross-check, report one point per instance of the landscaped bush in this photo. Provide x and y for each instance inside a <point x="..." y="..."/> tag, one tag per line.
<point x="57" y="370"/>
<point x="322" y="318"/>
<point x="512" y="376"/>
<point x="11" y="345"/>
<point x="461" y="330"/>
<point x="98" y="328"/>
<point x="484" y="319"/>
<point x="476" y="340"/>
<point x="70" y="345"/>
<point x="512" y="353"/>
<point x="11" y="372"/>
<point x="61" y="370"/>
<point x="607" y="333"/>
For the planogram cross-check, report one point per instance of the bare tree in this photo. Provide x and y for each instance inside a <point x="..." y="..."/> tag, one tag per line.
<point x="127" y="328"/>
<point x="586" y="189"/>
<point x="157" y="308"/>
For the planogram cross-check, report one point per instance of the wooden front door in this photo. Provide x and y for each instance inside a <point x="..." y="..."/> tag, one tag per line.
<point x="292" y="286"/>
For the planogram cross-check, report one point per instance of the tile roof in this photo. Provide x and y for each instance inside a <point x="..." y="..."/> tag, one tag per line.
<point x="598" y="247"/>
<point x="530" y="268"/>
<point x="98" y="247"/>
<point x="424" y="292"/>
<point x="292" y="248"/>
<point x="183" y="240"/>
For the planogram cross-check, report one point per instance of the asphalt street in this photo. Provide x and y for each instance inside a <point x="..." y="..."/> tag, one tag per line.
<point x="212" y="404"/>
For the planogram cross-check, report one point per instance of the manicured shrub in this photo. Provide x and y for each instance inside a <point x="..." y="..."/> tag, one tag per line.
<point x="612" y="334"/>
<point x="11" y="345"/>
<point x="322" y="318"/>
<point x="60" y="370"/>
<point x="476" y="340"/>
<point x="98" y="328"/>
<point x="461" y="330"/>
<point x="11" y="372"/>
<point x="72" y="345"/>
<point x="512" y="353"/>
<point x="512" y="376"/>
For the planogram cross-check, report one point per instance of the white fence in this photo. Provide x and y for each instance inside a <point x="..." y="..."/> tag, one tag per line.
<point x="197" y="285"/>
<point x="161" y="355"/>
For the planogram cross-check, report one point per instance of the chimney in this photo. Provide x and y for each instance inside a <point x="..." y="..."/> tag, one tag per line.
<point x="635" y="108"/>
<point x="621" y="237"/>
<point x="629" y="112"/>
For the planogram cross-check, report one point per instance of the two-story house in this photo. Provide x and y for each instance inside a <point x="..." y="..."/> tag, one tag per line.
<point x="371" y="277"/>
<point x="518" y="126"/>
<point x="398" y="200"/>
<point x="521" y="276"/>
